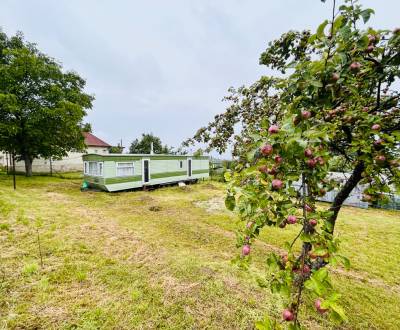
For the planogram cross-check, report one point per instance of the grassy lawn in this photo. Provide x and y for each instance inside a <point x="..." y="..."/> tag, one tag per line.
<point x="162" y="259"/>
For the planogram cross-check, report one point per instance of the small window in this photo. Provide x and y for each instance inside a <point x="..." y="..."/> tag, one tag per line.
<point x="93" y="168"/>
<point x="125" y="169"/>
<point x="181" y="164"/>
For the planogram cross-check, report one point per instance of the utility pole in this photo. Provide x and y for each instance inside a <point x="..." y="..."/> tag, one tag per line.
<point x="7" y="163"/>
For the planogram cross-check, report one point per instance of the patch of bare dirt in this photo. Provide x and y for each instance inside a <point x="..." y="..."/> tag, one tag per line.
<point x="213" y="205"/>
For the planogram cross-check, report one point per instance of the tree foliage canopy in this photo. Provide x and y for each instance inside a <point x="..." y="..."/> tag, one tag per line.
<point x="143" y="146"/>
<point x="336" y="101"/>
<point x="41" y="107"/>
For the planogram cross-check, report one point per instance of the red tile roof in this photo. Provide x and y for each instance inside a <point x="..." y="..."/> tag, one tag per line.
<point x="94" y="141"/>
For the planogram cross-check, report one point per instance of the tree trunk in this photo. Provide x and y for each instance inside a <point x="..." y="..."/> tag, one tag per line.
<point x="351" y="183"/>
<point x="28" y="165"/>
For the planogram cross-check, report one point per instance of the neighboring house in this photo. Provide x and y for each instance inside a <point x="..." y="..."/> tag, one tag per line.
<point x="72" y="162"/>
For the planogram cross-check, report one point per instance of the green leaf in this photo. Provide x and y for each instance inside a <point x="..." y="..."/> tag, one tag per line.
<point x="321" y="28"/>
<point x="267" y="324"/>
<point x="230" y="202"/>
<point x="366" y="14"/>
<point x="321" y="274"/>
<point x="305" y="237"/>
<point x="227" y="176"/>
<point x="338" y="23"/>
<point x="316" y="83"/>
<point x="345" y="261"/>
<point x="338" y="310"/>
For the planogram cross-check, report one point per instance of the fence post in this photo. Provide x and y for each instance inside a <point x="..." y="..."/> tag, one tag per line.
<point x="13" y="164"/>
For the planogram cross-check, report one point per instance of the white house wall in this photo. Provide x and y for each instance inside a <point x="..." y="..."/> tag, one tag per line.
<point x="73" y="162"/>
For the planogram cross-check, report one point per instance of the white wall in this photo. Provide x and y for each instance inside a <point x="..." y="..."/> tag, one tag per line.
<point x="73" y="162"/>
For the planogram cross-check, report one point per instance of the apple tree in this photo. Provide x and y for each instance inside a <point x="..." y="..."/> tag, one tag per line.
<point x="336" y="101"/>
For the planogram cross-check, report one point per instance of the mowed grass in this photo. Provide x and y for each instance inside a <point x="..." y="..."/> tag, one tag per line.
<point x="110" y="262"/>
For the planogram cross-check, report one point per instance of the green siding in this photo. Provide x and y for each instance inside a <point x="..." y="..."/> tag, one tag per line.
<point x="123" y="179"/>
<point x="200" y="171"/>
<point x="100" y="158"/>
<point x="127" y="157"/>
<point x="167" y="174"/>
<point x="108" y="169"/>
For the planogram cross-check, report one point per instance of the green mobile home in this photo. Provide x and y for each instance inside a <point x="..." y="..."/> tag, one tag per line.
<point x="113" y="172"/>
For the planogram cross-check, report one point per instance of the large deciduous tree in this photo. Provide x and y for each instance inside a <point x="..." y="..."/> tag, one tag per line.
<point x="337" y="101"/>
<point x="41" y="106"/>
<point x="143" y="146"/>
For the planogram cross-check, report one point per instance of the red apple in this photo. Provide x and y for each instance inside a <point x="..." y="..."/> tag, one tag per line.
<point x="370" y="49"/>
<point x="335" y="77"/>
<point x="376" y="127"/>
<point x="272" y="171"/>
<point x="311" y="163"/>
<point x="305" y="114"/>
<point x="365" y="109"/>
<point x="318" y="304"/>
<point x="278" y="159"/>
<point x="246" y="250"/>
<point x="355" y="66"/>
<point x="378" y="142"/>
<point x="266" y="149"/>
<point x="320" y="160"/>
<point x="322" y="192"/>
<point x="372" y="39"/>
<point x="263" y="169"/>
<point x="277" y="184"/>
<point x="291" y="219"/>
<point x="313" y="222"/>
<point x="308" y="208"/>
<point x="287" y="315"/>
<point x="273" y="129"/>
<point x="306" y="269"/>
<point x="308" y="153"/>
<point x="380" y="158"/>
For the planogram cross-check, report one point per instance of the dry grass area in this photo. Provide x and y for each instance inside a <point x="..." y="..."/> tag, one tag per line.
<point x="162" y="260"/>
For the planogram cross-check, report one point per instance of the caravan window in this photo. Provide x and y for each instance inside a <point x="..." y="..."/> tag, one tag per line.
<point x="181" y="164"/>
<point x="93" y="168"/>
<point x="125" y="169"/>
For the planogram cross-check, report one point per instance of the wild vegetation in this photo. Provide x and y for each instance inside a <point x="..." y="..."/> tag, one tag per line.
<point x="162" y="259"/>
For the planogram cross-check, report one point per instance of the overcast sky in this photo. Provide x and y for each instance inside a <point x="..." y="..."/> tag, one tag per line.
<point x="163" y="66"/>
